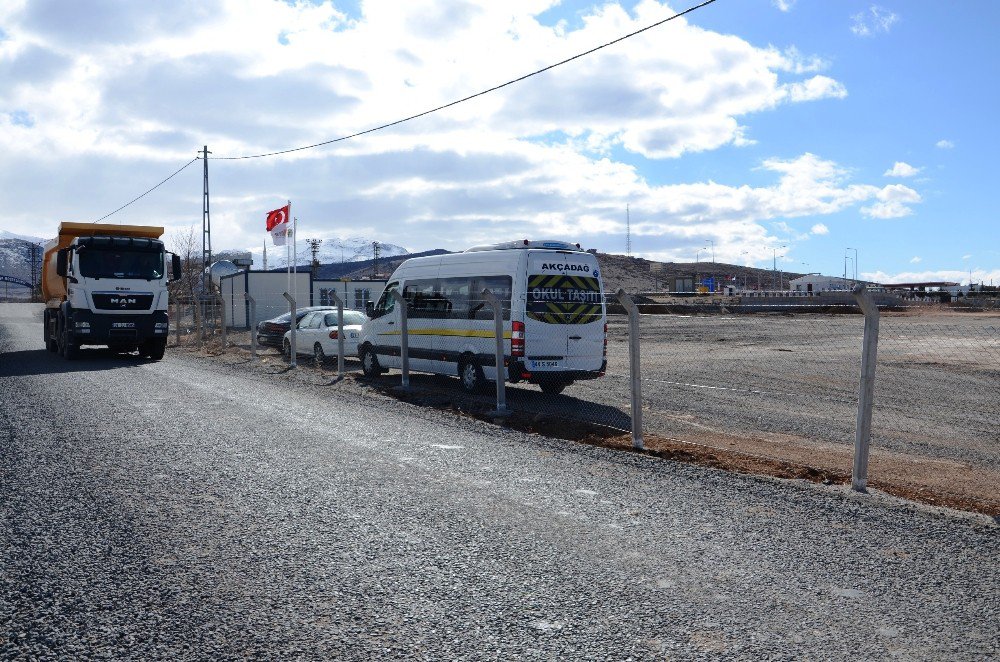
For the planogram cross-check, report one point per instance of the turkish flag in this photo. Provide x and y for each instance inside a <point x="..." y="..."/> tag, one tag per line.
<point x="277" y="217"/>
<point x="278" y="225"/>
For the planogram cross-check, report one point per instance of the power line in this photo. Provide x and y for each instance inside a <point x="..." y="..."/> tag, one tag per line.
<point x="136" y="199"/>
<point x="471" y="96"/>
<point x="418" y="115"/>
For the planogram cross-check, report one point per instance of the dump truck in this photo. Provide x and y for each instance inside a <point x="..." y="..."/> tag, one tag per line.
<point x="106" y="285"/>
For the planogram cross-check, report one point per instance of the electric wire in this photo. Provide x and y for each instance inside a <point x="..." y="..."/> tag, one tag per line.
<point x="471" y="96"/>
<point x="136" y="199"/>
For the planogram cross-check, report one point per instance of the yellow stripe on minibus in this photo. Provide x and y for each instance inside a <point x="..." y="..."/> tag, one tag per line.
<point x="449" y="333"/>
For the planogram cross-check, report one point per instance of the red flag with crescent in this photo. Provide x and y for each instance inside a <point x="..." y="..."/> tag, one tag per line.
<point x="278" y="225"/>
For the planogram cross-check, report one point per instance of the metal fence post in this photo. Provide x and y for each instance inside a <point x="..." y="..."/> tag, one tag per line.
<point x="494" y="302"/>
<point x="252" y="325"/>
<point x="294" y="323"/>
<point x="177" y="322"/>
<point x="199" y="307"/>
<point x="634" y="367"/>
<point x="340" y="334"/>
<point x="404" y="338"/>
<point x="222" y="321"/>
<point x="866" y="392"/>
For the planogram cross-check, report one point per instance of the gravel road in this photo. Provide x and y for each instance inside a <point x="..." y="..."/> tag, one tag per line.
<point x="190" y="510"/>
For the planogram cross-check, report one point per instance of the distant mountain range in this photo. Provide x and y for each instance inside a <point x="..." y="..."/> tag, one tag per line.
<point x="331" y="251"/>
<point x="15" y="260"/>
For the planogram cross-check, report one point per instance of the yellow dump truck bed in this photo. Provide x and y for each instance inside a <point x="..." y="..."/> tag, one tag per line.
<point x="53" y="285"/>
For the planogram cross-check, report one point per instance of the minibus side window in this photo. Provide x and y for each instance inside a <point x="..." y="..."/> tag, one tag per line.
<point x="423" y="299"/>
<point x="501" y="286"/>
<point x="454" y="295"/>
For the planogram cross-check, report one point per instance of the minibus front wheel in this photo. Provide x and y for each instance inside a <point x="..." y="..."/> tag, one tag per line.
<point x="471" y="375"/>
<point x="369" y="363"/>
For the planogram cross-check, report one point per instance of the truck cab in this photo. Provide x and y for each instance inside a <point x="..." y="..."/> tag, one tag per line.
<point x="107" y="285"/>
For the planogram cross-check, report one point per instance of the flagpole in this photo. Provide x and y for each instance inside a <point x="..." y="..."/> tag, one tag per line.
<point x="295" y="258"/>
<point x="288" y="251"/>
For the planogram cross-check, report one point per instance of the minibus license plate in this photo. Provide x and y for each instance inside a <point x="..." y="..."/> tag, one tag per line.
<point x="535" y="365"/>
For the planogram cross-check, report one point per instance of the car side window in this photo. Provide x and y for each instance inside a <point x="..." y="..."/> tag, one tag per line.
<point x="331" y="319"/>
<point x="304" y="322"/>
<point x="317" y="321"/>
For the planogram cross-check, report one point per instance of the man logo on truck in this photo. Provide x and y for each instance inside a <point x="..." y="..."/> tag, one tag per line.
<point x="122" y="301"/>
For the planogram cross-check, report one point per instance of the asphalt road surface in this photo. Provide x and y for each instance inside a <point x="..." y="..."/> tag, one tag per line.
<point x="185" y="510"/>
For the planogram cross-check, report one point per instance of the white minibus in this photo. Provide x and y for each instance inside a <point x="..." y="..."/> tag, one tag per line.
<point x="555" y="329"/>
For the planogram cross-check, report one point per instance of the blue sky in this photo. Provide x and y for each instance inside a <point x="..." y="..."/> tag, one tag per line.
<point x="767" y="127"/>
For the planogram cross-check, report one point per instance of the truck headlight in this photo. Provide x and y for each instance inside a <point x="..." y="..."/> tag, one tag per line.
<point x="161" y="325"/>
<point x="83" y="325"/>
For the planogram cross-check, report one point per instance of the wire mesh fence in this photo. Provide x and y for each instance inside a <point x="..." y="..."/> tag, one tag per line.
<point x="760" y="384"/>
<point x="936" y="401"/>
<point x="781" y="385"/>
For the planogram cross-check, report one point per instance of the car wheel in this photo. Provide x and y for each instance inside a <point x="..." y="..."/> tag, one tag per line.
<point x="471" y="376"/>
<point x="319" y="354"/>
<point x="369" y="363"/>
<point x="552" y="387"/>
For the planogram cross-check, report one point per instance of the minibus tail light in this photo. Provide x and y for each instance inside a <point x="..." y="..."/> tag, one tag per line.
<point x="333" y="335"/>
<point x="517" y="339"/>
<point x="605" y="340"/>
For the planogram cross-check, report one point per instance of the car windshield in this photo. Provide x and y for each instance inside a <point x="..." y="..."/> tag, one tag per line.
<point x="100" y="263"/>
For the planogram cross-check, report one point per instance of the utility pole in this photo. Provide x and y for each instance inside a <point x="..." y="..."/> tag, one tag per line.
<point x="375" y="260"/>
<point x="206" y="231"/>
<point x="34" y="270"/>
<point x="314" y="249"/>
<point x="265" y="255"/>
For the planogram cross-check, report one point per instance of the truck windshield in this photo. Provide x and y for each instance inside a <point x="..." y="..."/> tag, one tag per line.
<point x="97" y="263"/>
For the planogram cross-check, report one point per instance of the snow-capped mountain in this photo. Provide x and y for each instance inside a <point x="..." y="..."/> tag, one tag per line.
<point x="353" y="249"/>
<point x="16" y="260"/>
<point x="23" y="237"/>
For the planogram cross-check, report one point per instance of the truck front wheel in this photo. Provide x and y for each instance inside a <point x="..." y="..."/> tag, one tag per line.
<point x="47" y="333"/>
<point x="154" y="348"/>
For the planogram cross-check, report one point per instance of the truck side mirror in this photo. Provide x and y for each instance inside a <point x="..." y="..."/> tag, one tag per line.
<point x="175" y="267"/>
<point x="369" y="309"/>
<point x="62" y="259"/>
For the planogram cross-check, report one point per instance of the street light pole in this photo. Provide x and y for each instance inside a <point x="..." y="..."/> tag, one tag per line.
<point x="774" y="263"/>
<point x="853" y="264"/>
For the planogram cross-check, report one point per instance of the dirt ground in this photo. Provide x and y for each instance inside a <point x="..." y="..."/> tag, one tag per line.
<point x="772" y="394"/>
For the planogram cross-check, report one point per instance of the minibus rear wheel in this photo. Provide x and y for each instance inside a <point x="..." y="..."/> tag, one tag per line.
<point x="552" y="386"/>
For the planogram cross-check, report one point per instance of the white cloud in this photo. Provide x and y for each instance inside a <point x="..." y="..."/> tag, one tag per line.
<point x="876" y="20"/>
<point x="966" y="257"/>
<point x="943" y="275"/>
<point x="784" y="5"/>
<point x="944" y="144"/>
<point x="901" y="169"/>
<point x="916" y="259"/>
<point x="819" y="229"/>
<point x="120" y="105"/>
<point x="892" y="202"/>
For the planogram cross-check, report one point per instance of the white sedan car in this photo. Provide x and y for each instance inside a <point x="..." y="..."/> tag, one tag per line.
<point x="316" y="334"/>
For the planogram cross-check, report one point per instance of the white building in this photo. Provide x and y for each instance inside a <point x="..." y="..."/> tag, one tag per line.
<point x="267" y="289"/>
<point x="819" y="283"/>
